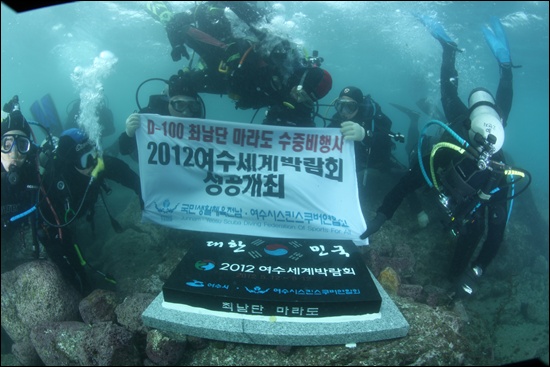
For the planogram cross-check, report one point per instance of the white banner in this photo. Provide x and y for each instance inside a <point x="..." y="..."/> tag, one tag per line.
<point x="232" y="177"/>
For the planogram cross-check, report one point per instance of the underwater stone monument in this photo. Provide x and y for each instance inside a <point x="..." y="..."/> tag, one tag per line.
<point x="275" y="291"/>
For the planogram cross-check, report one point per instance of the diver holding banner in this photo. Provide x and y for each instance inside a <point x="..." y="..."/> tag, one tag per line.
<point x="230" y="177"/>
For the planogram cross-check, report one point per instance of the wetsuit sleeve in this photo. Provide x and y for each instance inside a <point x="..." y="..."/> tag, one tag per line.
<point x="127" y="145"/>
<point x="176" y="30"/>
<point x="453" y="107"/>
<point x="181" y="33"/>
<point x="118" y="171"/>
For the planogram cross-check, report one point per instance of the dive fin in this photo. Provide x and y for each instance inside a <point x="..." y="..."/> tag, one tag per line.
<point x="38" y="114"/>
<point x="437" y="31"/>
<point x="45" y="114"/>
<point x="160" y="10"/>
<point x="498" y="42"/>
<point x="51" y="115"/>
<point x="498" y="30"/>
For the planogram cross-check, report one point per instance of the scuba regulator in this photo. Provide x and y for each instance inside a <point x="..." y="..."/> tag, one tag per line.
<point x="459" y="190"/>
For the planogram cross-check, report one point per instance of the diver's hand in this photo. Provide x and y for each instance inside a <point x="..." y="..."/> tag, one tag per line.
<point x="178" y="52"/>
<point x="352" y="131"/>
<point x="177" y="29"/>
<point x="374" y="225"/>
<point x="132" y="124"/>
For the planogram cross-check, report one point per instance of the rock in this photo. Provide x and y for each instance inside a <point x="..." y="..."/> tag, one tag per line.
<point x="33" y="293"/>
<point x="98" y="306"/>
<point x="412" y="291"/>
<point x="285" y="350"/>
<point x="389" y="279"/>
<point x="196" y="343"/>
<point x="540" y="265"/>
<point x="25" y="353"/>
<point x="109" y="344"/>
<point x="58" y="343"/>
<point x="398" y="257"/>
<point x="129" y="312"/>
<point x="436" y="296"/>
<point x="77" y="344"/>
<point x="163" y="350"/>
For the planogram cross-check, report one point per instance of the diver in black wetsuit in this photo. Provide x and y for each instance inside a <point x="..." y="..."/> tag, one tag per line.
<point x="256" y="71"/>
<point x="375" y="145"/>
<point x="25" y="235"/>
<point x="472" y="183"/>
<point x="181" y="100"/>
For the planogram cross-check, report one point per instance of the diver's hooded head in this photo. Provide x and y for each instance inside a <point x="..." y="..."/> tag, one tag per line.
<point x="14" y="120"/>
<point x="184" y="99"/>
<point x="16" y="134"/>
<point x="76" y="149"/>
<point x="349" y="102"/>
<point x="352" y="92"/>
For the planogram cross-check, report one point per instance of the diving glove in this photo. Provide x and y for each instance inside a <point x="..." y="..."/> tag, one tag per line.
<point x="132" y="124"/>
<point x="374" y="225"/>
<point x="352" y="131"/>
<point x="177" y="29"/>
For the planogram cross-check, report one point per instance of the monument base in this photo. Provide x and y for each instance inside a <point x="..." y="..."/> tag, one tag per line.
<point x="275" y="292"/>
<point x="388" y="323"/>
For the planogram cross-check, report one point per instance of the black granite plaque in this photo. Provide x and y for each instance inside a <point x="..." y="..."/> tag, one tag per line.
<point x="273" y="277"/>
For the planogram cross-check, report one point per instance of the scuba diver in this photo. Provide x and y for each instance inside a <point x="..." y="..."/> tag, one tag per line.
<point x="361" y="119"/>
<point x="20" y="179"/>
<point x="25" y="235"/>
<point x="296" y="102"/>
<point x="466" y="168"/>
<point x="256" y="71"/>
<point x="180" y="100"/>
<point x="76" y="177"/>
